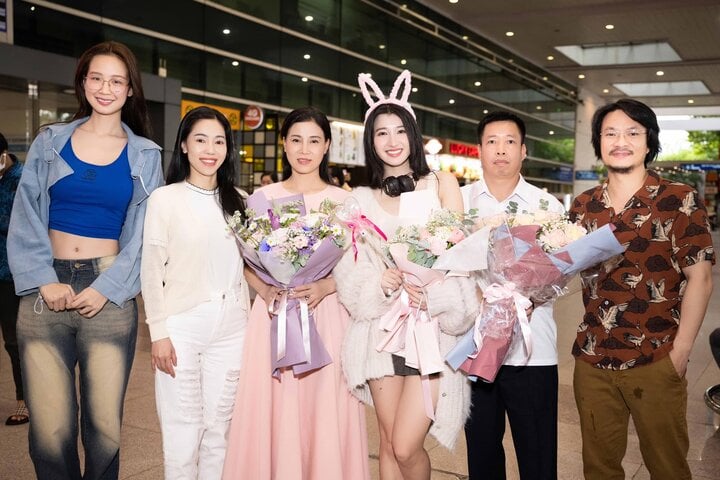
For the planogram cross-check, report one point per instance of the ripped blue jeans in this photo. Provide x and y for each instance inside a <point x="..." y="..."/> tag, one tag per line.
<point x="51" y="345"/>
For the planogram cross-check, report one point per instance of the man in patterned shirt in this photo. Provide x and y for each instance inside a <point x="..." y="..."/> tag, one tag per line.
<point x="644" y="309"/>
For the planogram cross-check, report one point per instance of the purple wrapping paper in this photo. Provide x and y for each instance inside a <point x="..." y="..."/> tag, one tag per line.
<point x="318" y="266"/>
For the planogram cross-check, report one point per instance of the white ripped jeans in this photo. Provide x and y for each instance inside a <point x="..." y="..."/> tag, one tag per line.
<point x="195" y="407"/>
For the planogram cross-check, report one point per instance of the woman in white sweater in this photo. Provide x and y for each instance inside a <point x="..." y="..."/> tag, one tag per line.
<point x="195" y="296"/>
<point x="402" y="190"/>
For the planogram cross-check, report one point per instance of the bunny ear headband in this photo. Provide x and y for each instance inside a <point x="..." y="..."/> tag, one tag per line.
<point x="403" y="80"/>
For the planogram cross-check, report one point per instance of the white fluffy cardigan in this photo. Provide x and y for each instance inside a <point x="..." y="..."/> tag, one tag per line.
<point x="453" y="302"/>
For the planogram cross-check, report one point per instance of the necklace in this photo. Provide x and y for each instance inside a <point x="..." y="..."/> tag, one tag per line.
<point x="203" y="191"/>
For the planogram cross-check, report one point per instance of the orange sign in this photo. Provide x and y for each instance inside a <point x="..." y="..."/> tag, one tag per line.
<point x="232" y="114"/>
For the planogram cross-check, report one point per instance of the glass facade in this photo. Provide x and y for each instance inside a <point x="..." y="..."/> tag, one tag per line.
<point x="284" y="54"/>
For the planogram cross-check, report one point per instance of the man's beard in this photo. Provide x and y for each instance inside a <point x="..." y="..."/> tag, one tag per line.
<point x="620" y="170"/>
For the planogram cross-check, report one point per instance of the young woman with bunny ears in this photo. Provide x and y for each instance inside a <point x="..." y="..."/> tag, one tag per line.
<point x="402" y="190"/>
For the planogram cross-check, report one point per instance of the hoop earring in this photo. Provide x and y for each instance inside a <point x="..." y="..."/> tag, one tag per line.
<point x="395" y="186"/>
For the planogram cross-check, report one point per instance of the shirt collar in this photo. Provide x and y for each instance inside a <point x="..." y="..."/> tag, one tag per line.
<point x="523" y="190"/>
<point x="648" y="191"/>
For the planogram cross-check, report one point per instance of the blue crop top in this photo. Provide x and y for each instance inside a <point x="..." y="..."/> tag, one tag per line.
<point x="92" y="201"/>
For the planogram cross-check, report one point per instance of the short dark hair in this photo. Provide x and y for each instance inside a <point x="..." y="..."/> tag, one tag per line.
<point x="307" y="114"/>
<point x="639" y="112"/>
<point x="179" y="167"/>
<point x="501" y="116"/>
<point x="3" y="143"/>
<point x="376" y="167"/>
<point x="273" y="176"/>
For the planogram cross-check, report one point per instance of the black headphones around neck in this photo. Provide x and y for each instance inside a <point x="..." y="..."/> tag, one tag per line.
<point x="394" y="186"/>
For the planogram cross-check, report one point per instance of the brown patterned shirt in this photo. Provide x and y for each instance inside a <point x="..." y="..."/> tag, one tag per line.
<point x="632" y="303"/>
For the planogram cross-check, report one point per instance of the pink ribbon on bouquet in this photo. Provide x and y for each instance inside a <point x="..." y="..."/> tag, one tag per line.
<point x="496" y="292"/>
<point x="281" y="312"/>
<point x="413" y="334"/>
<point x="357" y="222"/>
<point x="357" y="225"/>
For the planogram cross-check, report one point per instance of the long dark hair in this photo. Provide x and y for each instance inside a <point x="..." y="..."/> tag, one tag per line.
<point x="639" y="112"/>
<point x="307" y="114"/>
<point x="376" y="167"/>
<point x="134" y="112"/>
<point x="179" y="168"/>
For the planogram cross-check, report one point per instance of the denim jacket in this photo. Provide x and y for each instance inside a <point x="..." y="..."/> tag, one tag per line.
<point x="29" y="249"/>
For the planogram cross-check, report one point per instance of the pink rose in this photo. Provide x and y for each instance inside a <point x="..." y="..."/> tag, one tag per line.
<point x="437" y="245"/>
<point x="456" y="236"/>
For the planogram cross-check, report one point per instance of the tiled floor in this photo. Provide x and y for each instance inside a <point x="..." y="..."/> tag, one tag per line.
<point x="141" y="448"/>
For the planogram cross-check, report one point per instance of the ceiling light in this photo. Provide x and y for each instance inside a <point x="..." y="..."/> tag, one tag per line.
<point x="414" y="89"/>
<point x="606" y="90"/>
<point x="659" y="73"/>
<point x="538" y="107"/>
<point x="304" y="79"/>
<point x="32" y="9"/>
<point x="226" y="31"/>
<point x="609" y="26"/>
<point x="453" y="1"/>
<point x="464" y="37"/>
<point x="451" y="101"/>
<point x="485" y="111"/>
<point x="509" y="34"/>
<point x="381" y="47"/>
<point x="551" y="132"/>
<point x="478" y="83"/>
<point x="309" y="18"/>
<point x="663" y="89"/>
<point x="306" y="56"/>
<point x="235" y="63"/>
<point x="545" y="78"/>
<point x="403" y="61"/>
<point x="690" y="100"/>
<point x="550" y="57"/>
<point x="581" y="76"/>
<point x="620" y="53"/>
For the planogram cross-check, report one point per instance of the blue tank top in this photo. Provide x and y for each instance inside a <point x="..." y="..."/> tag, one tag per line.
<point x="92" y="201"/>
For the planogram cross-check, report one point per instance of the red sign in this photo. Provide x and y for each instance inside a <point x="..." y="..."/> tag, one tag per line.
<point x="253" y="117"/>
<point x="463" y="149"/>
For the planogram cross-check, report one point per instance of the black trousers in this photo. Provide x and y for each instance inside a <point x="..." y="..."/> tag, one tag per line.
<point x="9" y="303"/>
<point x="529" y="397"/>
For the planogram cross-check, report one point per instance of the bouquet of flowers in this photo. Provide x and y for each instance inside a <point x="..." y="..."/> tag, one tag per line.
<point x="525" y="255"/>
<point x="412" y="333"/>
<point x="287" y="247"/>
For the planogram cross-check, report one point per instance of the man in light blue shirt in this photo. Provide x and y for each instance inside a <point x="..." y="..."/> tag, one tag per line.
<point x="526" y="389"/>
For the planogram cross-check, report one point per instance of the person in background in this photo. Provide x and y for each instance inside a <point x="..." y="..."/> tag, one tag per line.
<point x="196" y="327"/>
<point x="306" y="426"/>
<point x="644" y="310"/>
<point x="267" y="178"/>
<point x="402" y="191"/>
<point x="10" y="171"/>
<point x="338" y="175"/>
<point x="74" y="250"/>
<point x="525" y="389"/>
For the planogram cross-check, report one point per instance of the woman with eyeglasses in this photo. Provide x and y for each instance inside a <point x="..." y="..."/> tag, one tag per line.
<point x="74" y="248"/>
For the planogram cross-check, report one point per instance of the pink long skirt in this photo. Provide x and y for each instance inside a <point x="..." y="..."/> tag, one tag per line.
<point x="296" y="428"/>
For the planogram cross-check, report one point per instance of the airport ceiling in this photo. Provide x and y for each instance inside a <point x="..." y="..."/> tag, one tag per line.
<point x="663" y="52"/>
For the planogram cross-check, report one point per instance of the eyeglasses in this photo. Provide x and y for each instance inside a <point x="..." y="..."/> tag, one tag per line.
<point x="95" y="83"/>
<point x="632" y="134"/>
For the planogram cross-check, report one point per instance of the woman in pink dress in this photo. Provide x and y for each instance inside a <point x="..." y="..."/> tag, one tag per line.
<point x="306" y="427"/>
